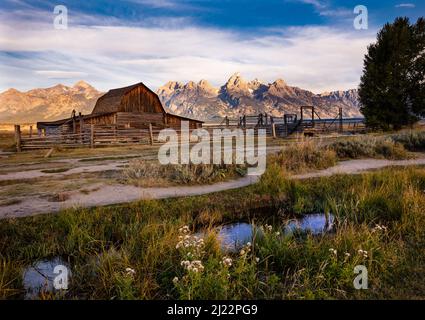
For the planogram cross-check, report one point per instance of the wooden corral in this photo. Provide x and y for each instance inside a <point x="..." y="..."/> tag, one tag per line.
<point x="123" y="115"/>
<point x="135" y="106"/>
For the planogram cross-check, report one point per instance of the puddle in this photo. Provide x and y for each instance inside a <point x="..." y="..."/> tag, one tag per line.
<point x="313" y="223"/>
<point x="234" y="236"/>
<point x="38" y="278"/>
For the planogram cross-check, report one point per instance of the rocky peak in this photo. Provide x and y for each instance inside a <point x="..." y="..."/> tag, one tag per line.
<point x="190" y="85"/>
<point x="255" y="84"/>
<point x="204" y="85"/>
<point x="82" y="84"/>
<point x="279" y="83"/>
<point x="169" y="87"/>
<point x="236" y="85"/>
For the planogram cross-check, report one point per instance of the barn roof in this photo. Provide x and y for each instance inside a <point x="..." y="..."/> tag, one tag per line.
<point x="110" y="101"/>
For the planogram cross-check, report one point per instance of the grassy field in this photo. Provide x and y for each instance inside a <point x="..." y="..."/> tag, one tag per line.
<point x="135" y="251"/>
<point x="101" y="243"/>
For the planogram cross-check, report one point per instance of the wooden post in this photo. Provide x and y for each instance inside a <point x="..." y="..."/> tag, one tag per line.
<point x="340" y="120"/>
<point x="274" y="130"/>
<point x="285" y="122"/>
<point x="115" y="125"/>
<point x="150" y="134"/>
<point x="312" y="117"/>
<point x="92" y="136"/>
<point x="39" y="132"/>
<point x="18" y="137"/>
<point x="81" y="129"/>
<point x="30" y="131"/>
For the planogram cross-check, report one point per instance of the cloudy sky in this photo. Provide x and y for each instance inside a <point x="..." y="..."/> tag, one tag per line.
<point x="309" y="43"/>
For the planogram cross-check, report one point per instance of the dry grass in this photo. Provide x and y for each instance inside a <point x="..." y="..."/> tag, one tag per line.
<point x="306" y="155"/>
<point x="148" y="173"/>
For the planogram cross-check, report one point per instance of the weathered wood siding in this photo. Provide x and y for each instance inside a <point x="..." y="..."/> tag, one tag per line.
<point x="139" y="120"/>
<point x="140" y="100"/>
<point x="175" y="121"/>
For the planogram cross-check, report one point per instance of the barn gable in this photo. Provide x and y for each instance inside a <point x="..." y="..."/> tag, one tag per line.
<point x="136" y="99"/>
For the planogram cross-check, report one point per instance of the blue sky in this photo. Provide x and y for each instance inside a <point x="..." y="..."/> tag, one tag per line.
<point x="309" y="43"/>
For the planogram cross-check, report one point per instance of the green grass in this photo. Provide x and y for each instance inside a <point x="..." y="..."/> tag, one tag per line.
<point x="100" y="243"/>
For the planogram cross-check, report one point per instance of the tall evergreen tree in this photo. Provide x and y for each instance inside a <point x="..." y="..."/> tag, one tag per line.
<point x="392" y="88"/>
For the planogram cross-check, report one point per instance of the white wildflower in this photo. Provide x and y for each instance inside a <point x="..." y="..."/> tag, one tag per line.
<point x="227" y="261"/>
<point x="130" y="271"/>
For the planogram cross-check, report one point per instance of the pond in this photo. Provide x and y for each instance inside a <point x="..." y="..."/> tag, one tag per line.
<point x="38" y="278"/>
<point x="234" y="236"/>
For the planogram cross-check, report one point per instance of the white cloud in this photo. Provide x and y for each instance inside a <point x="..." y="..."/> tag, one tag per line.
<point x="405" y="5"/>
<point x="60" y="74"/>
<point x="315" y="58"/>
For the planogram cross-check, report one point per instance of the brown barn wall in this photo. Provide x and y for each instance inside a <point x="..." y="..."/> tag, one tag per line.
<point x="140" y="99"/>
<point x="175" y="121"/>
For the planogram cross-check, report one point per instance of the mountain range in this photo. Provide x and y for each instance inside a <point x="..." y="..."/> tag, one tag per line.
<point x="48" y="103"/>
<point x="238" y="97"/>
<point x="197" y="100"/>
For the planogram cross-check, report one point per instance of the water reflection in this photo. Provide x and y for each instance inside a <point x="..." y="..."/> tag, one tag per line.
<point x="234" y="236"/>
<point x="38" y="278"/>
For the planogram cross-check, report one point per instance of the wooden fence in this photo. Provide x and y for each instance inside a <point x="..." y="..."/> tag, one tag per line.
<point x="93" y="136"/>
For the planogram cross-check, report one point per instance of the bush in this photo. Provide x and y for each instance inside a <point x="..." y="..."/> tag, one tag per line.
<point x="306" y="155"/>
<point x="140" y="171"/>
<point x="373" y="147"/>
<point x="413" y="141"/>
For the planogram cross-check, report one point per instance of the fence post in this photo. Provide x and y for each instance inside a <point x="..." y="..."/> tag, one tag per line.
<point x="150" y="134"/>
<point x="18" y="137"/>
<point x="340" y="120"/>
<point x="274" y="130"/>
<point x="92" y="136"/>
<point x="81" y="129"/>
<point x="30" y="131"/>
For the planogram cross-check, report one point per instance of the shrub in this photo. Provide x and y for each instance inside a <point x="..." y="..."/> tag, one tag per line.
<point x="373" y="147"/>
<point x="306" y="155"/>
<point x="140" y="171"/>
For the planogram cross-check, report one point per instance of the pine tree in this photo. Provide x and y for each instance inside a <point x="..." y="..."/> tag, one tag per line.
<point x="392" y="88"/>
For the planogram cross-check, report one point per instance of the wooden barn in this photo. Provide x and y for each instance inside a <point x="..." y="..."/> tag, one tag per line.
<point x="134" y="106"/>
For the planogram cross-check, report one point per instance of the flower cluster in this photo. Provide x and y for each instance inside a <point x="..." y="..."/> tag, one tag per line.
<point x="192" y="249"/>
<point x="245" y="249"/>
<point x="333" y="252"/>
<point x="195" y="265"/>
<point x="130" y="272"/>
<point x="227" y="262"/>
<point x="184" y="230"/>
<point x="362" y="253"/>
<point x="378" y="228"/>
<point x="266" y="227"/>
<point x="190" y="242"/>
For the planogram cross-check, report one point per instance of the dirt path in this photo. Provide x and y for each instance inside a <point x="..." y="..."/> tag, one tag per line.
<point x="360" y="165"/>
<point x="114" y="194"/>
